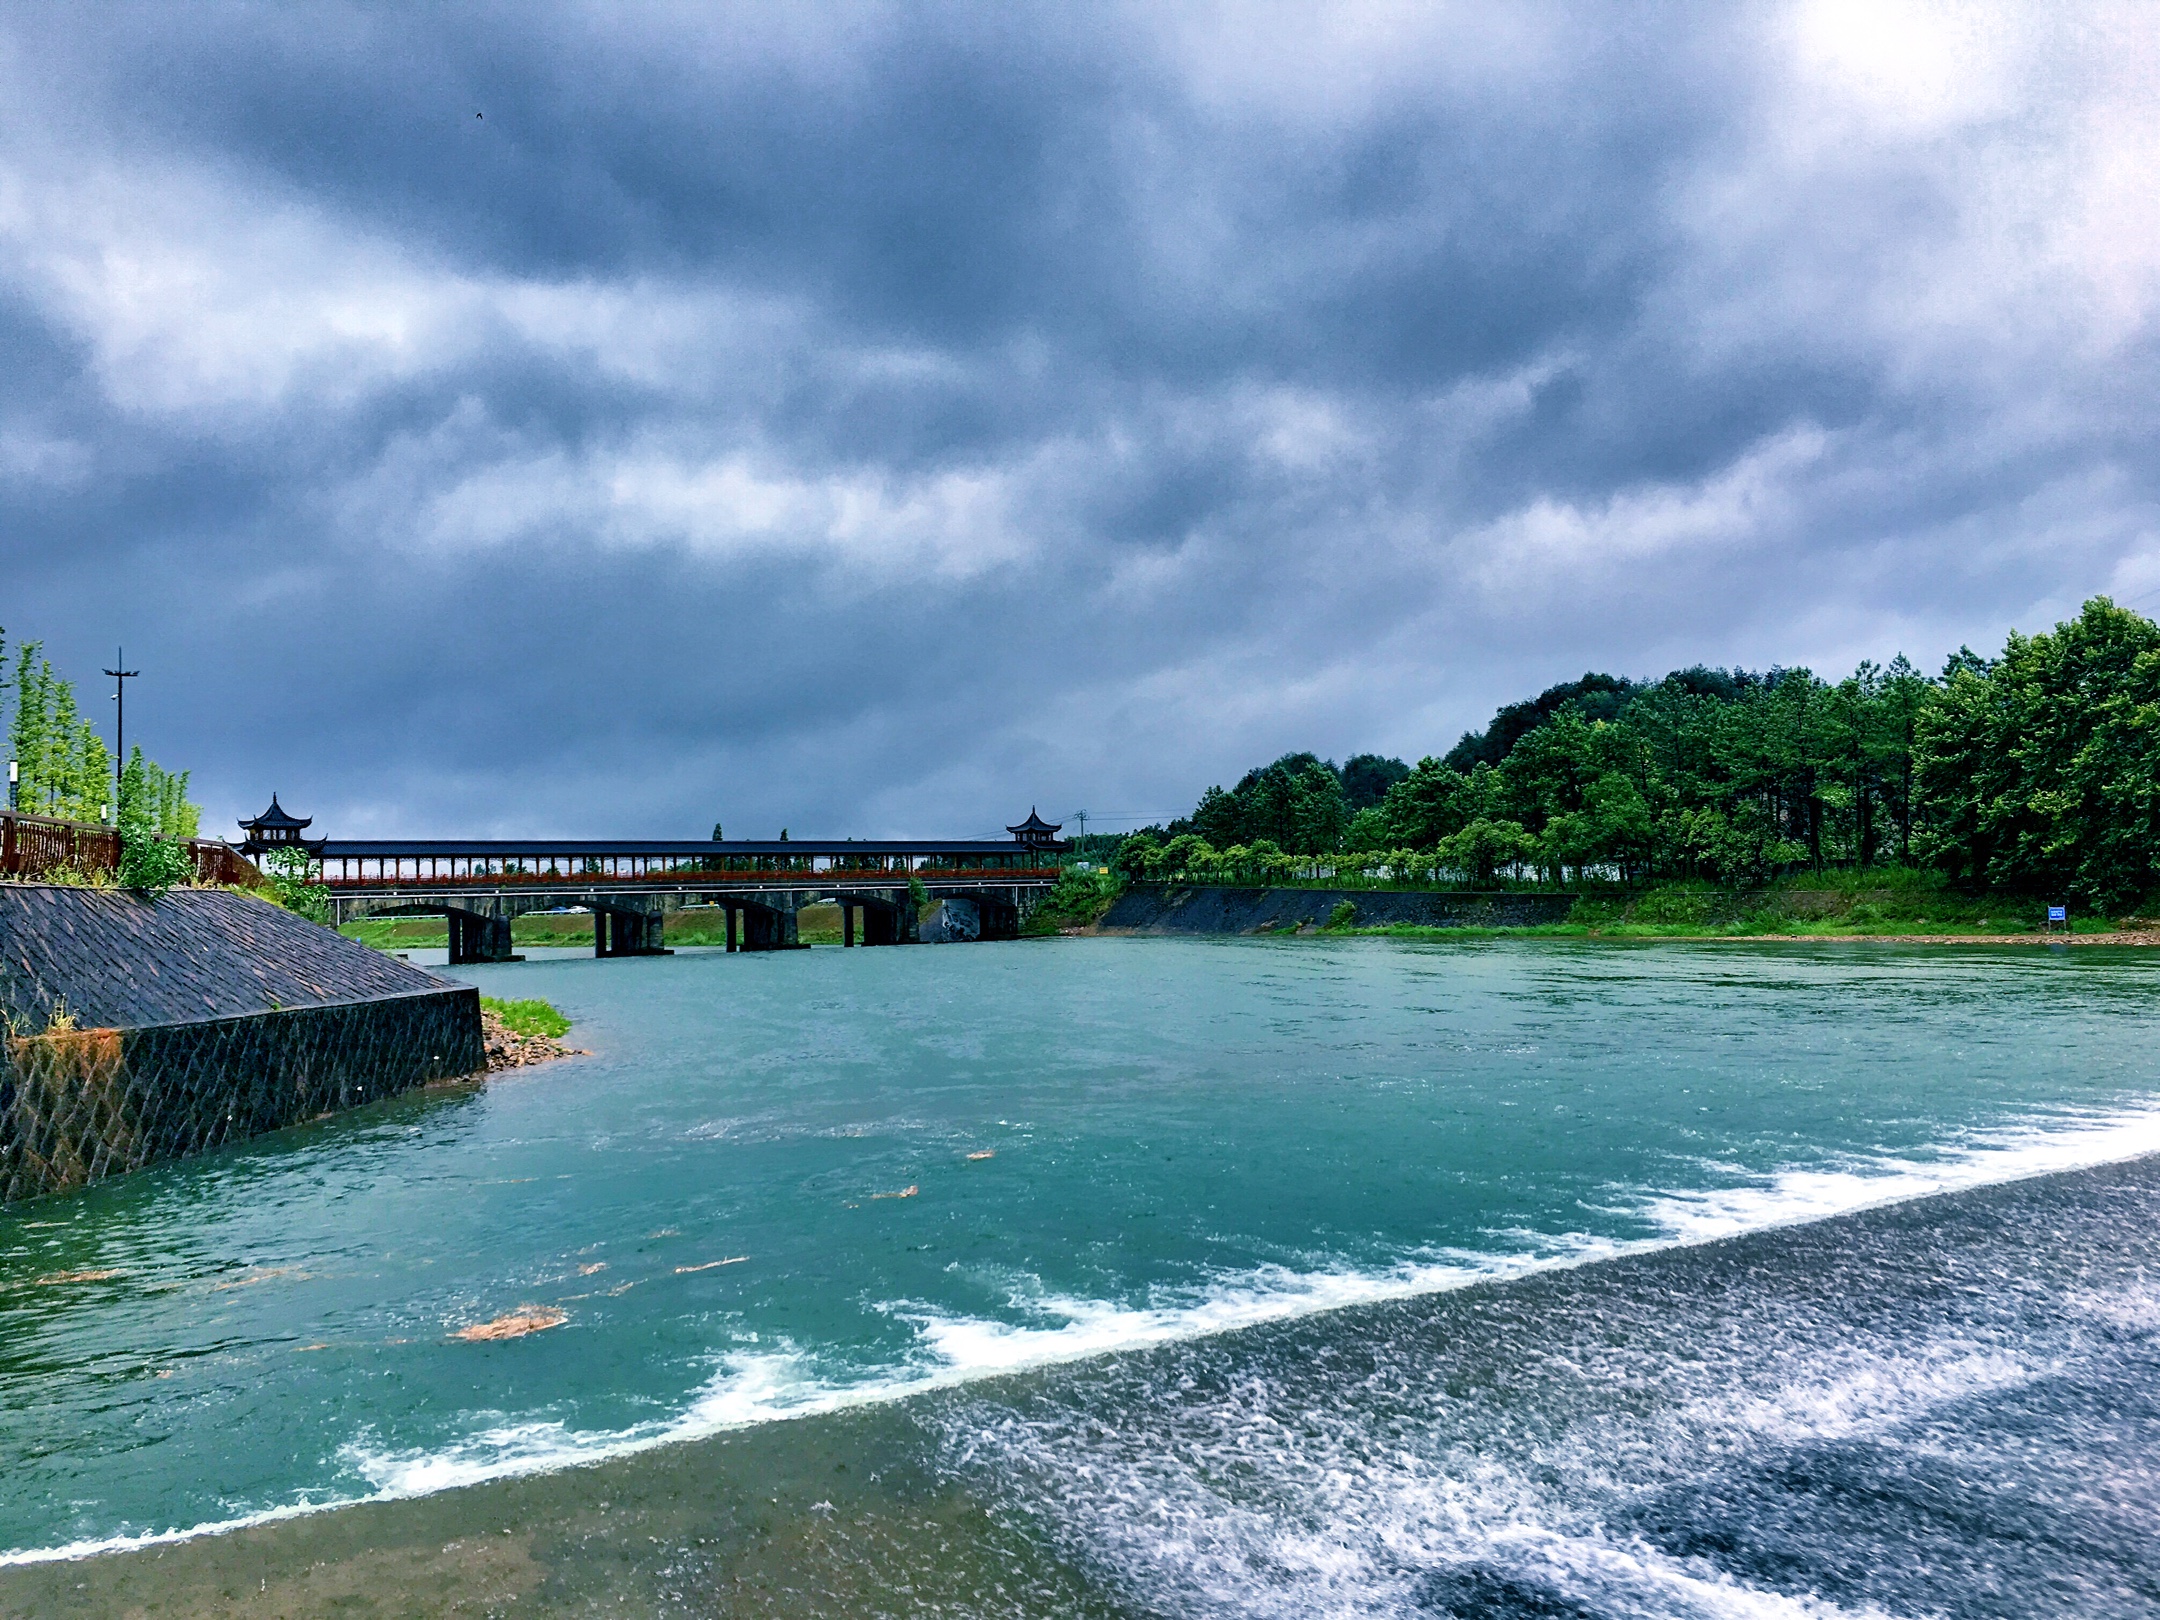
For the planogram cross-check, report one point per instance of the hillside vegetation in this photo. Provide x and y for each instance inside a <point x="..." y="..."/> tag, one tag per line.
<point x="2032" y="775"/>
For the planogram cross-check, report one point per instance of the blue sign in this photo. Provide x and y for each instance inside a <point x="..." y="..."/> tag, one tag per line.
<point x="2058" y="913"/>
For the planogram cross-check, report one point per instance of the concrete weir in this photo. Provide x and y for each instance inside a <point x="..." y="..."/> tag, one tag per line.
<point x="141" y="1030"/>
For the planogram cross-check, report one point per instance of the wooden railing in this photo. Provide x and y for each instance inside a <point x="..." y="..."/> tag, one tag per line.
<point x="33" y="847"/>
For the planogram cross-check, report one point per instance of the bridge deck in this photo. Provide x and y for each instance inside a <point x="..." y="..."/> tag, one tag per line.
<point x="442" y="864"/>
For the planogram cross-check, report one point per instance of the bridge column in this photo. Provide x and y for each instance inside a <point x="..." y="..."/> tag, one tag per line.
<point x="847" y="923"/>
<point x="623" y="932"/>
<point x="890" y="919"/>
<point x="730" y="925"/>
<point x="478" y="937"/>
<point x="767" y="927"/>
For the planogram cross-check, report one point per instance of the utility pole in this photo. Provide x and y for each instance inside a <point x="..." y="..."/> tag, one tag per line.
<point x="121" y="677"/>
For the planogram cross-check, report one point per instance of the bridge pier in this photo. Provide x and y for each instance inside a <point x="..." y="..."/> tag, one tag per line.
<point x="764" y="927"/>
<point x="886" y="919"/>
<point x="623" y="932"/>
<point x="477" y="936"/>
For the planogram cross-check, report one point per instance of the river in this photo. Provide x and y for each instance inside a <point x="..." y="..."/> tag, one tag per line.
<point x="1150" y="1276"/>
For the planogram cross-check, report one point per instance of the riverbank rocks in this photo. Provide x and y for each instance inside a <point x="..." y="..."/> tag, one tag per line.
<point x="507" y="1049"/>
<point x="140" y="1030"/>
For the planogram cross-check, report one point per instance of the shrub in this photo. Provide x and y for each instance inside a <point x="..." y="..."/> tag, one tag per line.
<point x="291" y="874"/>
<point x="152" y="864"/>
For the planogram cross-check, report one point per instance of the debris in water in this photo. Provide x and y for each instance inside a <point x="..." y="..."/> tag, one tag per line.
<point x="262" y="1274"/>
<point x="77" y="1276"/>
<point x="731" y="1260"/>
<point x="986" y="1153"/>
<point x="904" y="1192"/>
<point x="514" y="1324"/>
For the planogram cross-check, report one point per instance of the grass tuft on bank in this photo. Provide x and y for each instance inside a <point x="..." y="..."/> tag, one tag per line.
<point x="529" y="1017"/>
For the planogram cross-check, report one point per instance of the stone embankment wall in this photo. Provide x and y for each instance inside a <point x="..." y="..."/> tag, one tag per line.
<point x="140" y="1030"/>
<point x="1208" y="909"/>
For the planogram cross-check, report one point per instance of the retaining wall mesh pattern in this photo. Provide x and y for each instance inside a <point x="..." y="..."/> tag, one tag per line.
<point x="77" y="1106"/>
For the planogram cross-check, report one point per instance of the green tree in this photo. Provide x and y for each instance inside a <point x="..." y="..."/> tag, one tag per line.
<point x="2042" y="770"/>
<point x="1138" y="858"/>
<point x="1426" y="806"/>
<point x="1318" y="813"/>
<point x="293" y="884"/>
<point x="1482" y="847"/>
<point x="1217" y="819"/>
<point x="148" y="861"/>
<point x="31" y="726"/>
<point x="1366" y="779"/>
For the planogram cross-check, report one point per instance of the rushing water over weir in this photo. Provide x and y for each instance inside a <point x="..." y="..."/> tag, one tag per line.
<point x="1171" y="1277"/>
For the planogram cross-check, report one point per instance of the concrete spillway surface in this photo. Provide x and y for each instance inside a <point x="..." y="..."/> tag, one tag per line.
<point x="143" y="1030"/>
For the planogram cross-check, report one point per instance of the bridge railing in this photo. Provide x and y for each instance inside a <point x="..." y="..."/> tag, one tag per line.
<point x="689" y="877"/>
<point x="33" y="847"/>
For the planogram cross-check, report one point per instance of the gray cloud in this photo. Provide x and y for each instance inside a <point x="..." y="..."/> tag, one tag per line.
<point x="874" y="420"/>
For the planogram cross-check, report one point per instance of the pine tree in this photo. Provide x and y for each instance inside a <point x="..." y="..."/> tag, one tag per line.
<point x="26" y="735"/>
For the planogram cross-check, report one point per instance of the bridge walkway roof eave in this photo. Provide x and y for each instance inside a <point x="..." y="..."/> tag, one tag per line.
<point x="677" y="849"/>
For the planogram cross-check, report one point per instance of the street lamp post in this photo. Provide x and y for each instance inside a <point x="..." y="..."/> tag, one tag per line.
<point x="121" y="677"/>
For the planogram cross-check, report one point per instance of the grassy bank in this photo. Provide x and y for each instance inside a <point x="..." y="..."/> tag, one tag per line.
<point x="1825" y="903"/>
<point x="702" y="925"/>
<point x="1811" y="905"/>
<point x="1078" y="901"/>
<point x="531" y="1017"/>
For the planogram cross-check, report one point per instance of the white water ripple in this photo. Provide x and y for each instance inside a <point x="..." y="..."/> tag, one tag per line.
<point x="761" y="1386"/>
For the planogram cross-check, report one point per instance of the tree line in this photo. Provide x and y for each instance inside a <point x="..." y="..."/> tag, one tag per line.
<point x="64" y="767"/>
<point x="2036" y="770"/>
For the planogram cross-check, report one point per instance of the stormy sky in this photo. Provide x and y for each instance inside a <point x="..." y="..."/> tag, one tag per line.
<point x="876" y="420"/>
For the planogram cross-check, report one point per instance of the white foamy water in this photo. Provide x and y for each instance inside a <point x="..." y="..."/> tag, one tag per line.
<point x="761" y="1385"/>
<point x="1279" y="1499"/>
<point x="1789" y="1197"/>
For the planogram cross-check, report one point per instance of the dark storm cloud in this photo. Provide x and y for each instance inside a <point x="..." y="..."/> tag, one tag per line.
<point x="873" y="420"/>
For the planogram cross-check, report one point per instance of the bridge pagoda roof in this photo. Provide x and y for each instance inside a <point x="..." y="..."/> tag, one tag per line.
<point x="279" y="818"/>
<point x="665" y="848"/>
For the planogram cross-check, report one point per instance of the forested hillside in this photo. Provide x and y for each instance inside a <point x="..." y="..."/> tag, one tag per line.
<point x="2038" y="769"/>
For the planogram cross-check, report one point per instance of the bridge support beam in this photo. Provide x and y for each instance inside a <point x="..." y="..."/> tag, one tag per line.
<point x="629" y="933"/>
<point x="763" y="927"/>
<point x="478" y="937"/>
<point x="885" y="919"/>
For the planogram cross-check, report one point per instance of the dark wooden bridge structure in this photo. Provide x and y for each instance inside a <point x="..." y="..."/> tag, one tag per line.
<point x="631" y="887"/>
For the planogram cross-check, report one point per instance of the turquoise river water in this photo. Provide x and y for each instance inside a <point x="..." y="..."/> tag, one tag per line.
<point x="1224" y="1277"/>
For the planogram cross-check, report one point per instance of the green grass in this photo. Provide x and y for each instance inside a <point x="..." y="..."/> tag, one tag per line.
<point x="1421" y="931"/>
<point x="1880" y="901"/>
<point x="1811" y="905"/>
<point x="533" y="1017"/>
<point x="702" y="925"/>
<point x="1078" y="901"/>
<point x="399" y="933"/>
